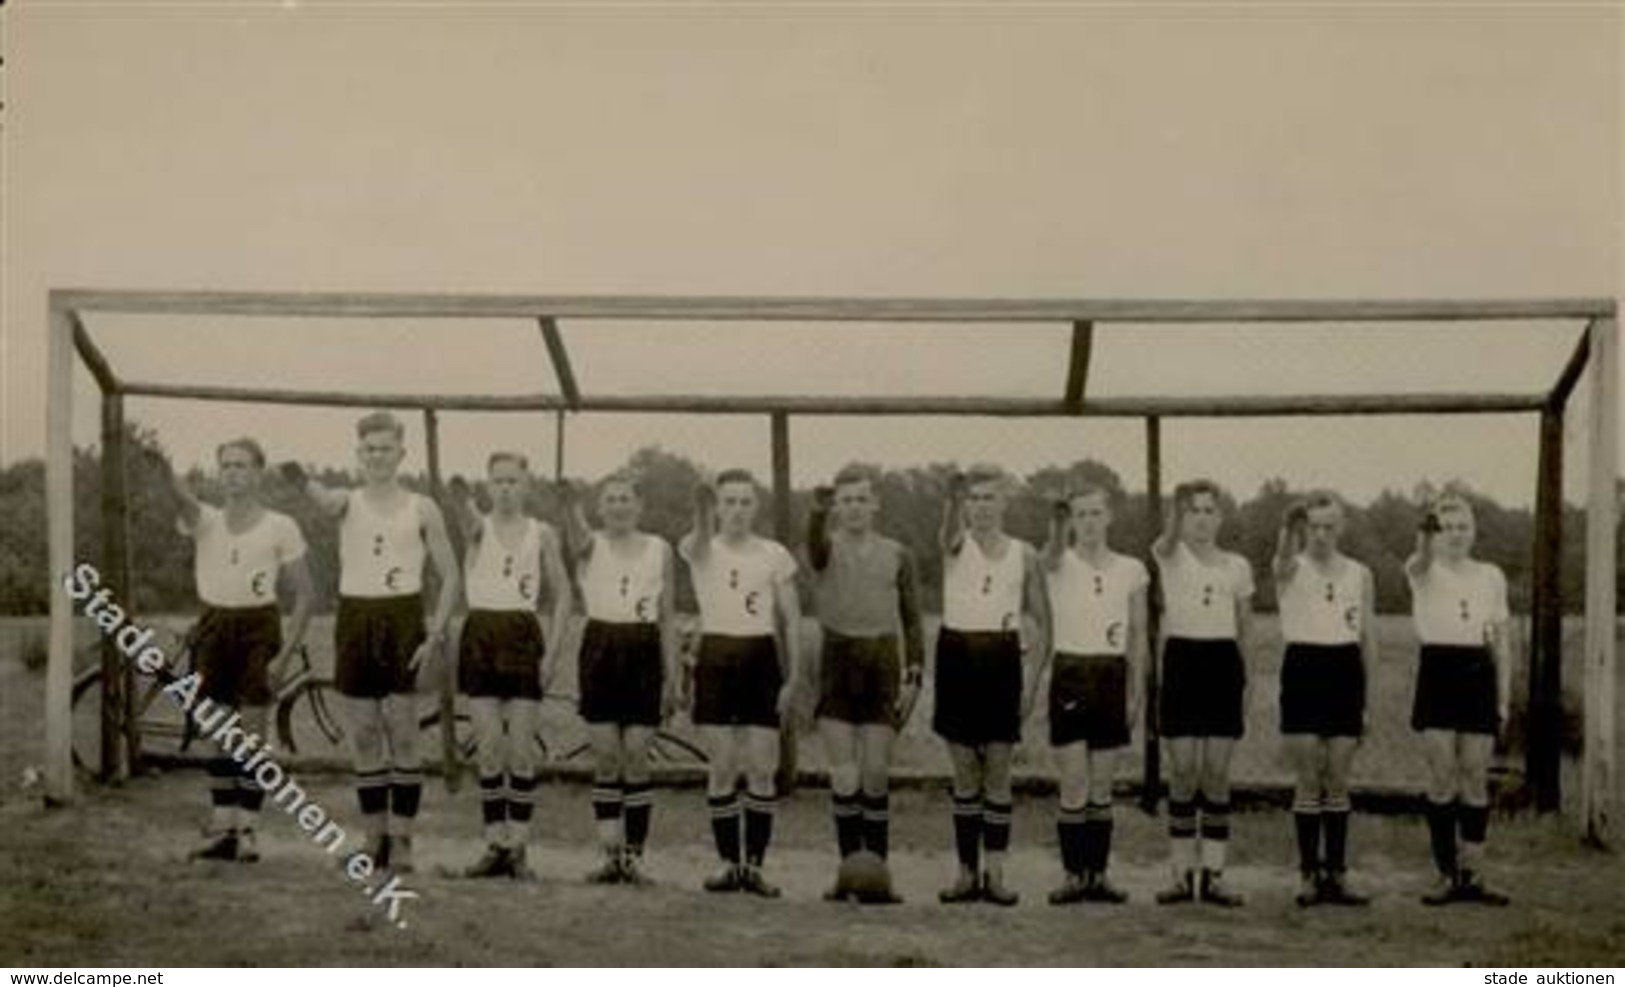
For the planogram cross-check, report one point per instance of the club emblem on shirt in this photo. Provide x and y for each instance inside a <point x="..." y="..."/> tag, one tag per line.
<point x="393" y="576"/>
<point x="1466" y="611"/>
<point x="1114" y="634"/>
<point x="1351" y="617"/>
<point x="733" y="578"/>
<point x="752" y="599"/>
<point x="527" y="588"/>
<point x="1331" y="593"/>
<point x="1009" y="621"/>
<point x="626" y="586"/>
<point x="377" y="546"/>
<point x="257" y="582"/>
<point x="645" y="608"/>
<point x="507" y="567"/>
<point x="1207" y="595"/>
<point x="1100" y="584"/>
<point x="987" y="584"/>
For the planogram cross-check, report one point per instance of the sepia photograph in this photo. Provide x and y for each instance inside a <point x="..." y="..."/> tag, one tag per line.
<point x="737" y="485"/>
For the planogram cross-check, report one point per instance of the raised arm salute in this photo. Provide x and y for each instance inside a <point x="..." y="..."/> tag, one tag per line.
<point x="1208" y="592"/>
<point x="627" y="666"/>
<point x="872" y="663"/>
<point x="1326" y="601"/>
<point x="1463" y="681"/>
<point x="742" y="684"/>
<point x="512" y="565"/>
<point x="386" y="536"/>
<point x="242" y="549"/>
<point x="1098" y="600"/>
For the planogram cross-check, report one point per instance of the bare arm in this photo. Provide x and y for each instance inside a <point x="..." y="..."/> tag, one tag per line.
<point x="304" y="600"/>
<point x="908" y="614"/>
<point x="1055" y="545"/>
<point x="789" y="609"/>
<point x="445" y="567"/>
<point x="1289" y="544"/>
<point x="696" y="545"/>
<point x="1368" y="631"/>
<point x="577" y="534"/>
<point x="330" y="500"/>
<point x="951" y="536"/>
<point x="1163" y="547"/>
<point x="1035" y="601"/>
<point x="1139" y="649"/>
<point x="559" y="580"/>
<point x="670" y="643"/>
<point x="1421" y="561"/>
<point x="818" y="543"/>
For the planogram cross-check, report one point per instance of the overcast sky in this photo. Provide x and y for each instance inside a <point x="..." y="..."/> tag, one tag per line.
<point x="951" y="151"/>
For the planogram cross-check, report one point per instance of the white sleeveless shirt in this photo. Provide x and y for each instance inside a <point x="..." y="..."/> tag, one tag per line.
<point x="1090" y="604"/>
<point x="980" y="594"/>
<point x="1322" y="608"/>
<point x="735" y="586"/>
<point x="625" y="591"/>
<point x="1457" y="608"/>
<point x="1199" y="600"/>
<point x="240" y="570"/>
<point x="503" y="578"/>
<point x="381" y="555"/>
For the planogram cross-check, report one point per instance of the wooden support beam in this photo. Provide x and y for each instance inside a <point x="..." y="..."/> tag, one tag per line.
<point x="785" y="780"/>
<point x="116" y="760"/>
<point x="561" y="362"/>
<point x="1077" y="373"/>
<point x="1599" y="771"/>
<point x="1543" y="749"/>
<point x="95" y="360"/>
<point x="59" y="540"/>
<point x="1239" y="406"/>
<point x="1151" y="779"/>
<point x="1570" y="377"/>
<point x="713" y="308"/>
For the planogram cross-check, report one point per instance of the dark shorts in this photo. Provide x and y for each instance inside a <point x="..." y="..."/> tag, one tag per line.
<point x="1323" y="690"/>
<point x="978" y="687"/>
<point x="499" y="655"/>
<point x="858" y="679"/>
<point x="374" y="639"/>
<point x="1455" y="690"/>
<point x="737" y="681"/>
<point x="620" y="673"/>
<point x="232" y="648"/>
<point x="1203" y="683"/>
<point x="1088" y="701"/>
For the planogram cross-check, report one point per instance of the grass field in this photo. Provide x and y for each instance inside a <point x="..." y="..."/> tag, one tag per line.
<point x="107" y="882"/>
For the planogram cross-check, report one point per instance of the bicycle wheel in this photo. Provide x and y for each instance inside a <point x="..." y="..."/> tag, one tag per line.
<point x="166" y="730"/>
<point x="672" y="749"/>
<point x="307" y="724"/>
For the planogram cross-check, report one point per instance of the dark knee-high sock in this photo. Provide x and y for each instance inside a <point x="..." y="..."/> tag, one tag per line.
<point x="995" y="825"/>
<point x="876" y="824"/>
<point x="372" y="792"/>
<point x="1215" y="834"/>
<point x="608" y="808"/>
<point x="223" y="792"/>
<point x="1475" y="825"/>
<point x="521" y="805"/>
<point x="968" y="830"/>
<point x="1335" y="819"/>
<point x="1182" y="835"/>
<point x="493" y="806"/>
<point x="758" y="827"/>
<point x="405" y="793"/>
<point x="848" y="822"/>
<point x="1098" y="825"/>
<point x="1306" y="818"/>
<point x="725" y="825"/>
<point x="1442" y="835"/>
<point x="1072" y="831"/>
<point x="638" y="807"/>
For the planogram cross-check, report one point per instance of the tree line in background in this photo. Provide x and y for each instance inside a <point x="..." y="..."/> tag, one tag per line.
<point x="1381" y="533"/>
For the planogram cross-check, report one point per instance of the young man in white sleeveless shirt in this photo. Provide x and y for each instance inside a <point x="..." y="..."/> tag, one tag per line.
<point x="1327" y="605"/>
<point x="511" y="566"/>
<point x="1463" y="687"/>
<point x="1098" y="603"/>
<point x="991" y="581"/>
<point x="381" y="637"/>
<point x="238" y="648"/>
<point x="626" y="670"/>
<point x="743" y="686"/>
<point x="1207" y="595"/>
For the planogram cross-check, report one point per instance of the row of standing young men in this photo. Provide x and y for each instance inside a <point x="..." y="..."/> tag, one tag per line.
<point x="1075" y="603"/>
